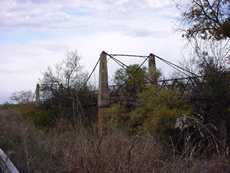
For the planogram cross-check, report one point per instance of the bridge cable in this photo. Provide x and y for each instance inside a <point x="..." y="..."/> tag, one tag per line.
<point x="138" y="68"/>
<point x="122" y="64"/>
<point x="118" y="61"/>
<point x="126" y="67"/>
<point x="177" y="69"/>
<point x="175" y="66"/>
<point x="112" y="56"/>
<point x="92" y="71"/>
<point x="126" y="55"/>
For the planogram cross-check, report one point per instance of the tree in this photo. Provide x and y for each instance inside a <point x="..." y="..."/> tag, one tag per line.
<point x="22" y="97"/>
<point x="208" y="19"/>
<point x="210" y="96"/>
<point x="67" y="73"/>
<point x="64" y="90"/>
<point x="132" y="80"/>
<point x="158" y="110"/>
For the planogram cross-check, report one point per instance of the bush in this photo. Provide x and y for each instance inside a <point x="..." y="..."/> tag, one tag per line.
<point x="117" y="118"/>
<point x="158" y="111"/>
<point x="134" y="79"/>
<point x="64" y="90"/>
<point x="40" y="117"/>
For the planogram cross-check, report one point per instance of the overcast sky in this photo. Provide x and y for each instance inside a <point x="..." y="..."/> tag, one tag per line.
<point x="37" y="33"/>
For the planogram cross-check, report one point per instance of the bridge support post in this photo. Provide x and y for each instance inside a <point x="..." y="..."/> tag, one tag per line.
<point x="103" y="92"/>
<point x="152" y="71"/>
<point x="37" y="94"/>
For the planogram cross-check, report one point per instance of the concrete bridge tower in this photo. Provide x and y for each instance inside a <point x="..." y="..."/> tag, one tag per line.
<point x="152" y="70"/>
<point x="103" y="92"/>
<point x="37" y="94"/>
<point x="103" y="95"/>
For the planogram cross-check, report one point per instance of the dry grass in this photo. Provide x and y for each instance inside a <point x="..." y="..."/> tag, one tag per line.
<point x="77" y="151"/>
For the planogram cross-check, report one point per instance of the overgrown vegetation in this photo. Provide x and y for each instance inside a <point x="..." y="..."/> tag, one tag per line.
<point x="65" y="149"/>
<point x="63" y="94"/>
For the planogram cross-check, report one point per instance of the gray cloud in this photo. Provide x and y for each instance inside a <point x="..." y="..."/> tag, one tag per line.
<point x="82" y="15"/>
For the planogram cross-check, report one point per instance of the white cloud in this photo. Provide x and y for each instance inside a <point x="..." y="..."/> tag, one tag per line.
<point x="69" y="15"/>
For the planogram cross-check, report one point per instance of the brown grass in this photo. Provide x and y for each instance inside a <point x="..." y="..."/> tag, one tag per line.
<point x="64" y="150"/>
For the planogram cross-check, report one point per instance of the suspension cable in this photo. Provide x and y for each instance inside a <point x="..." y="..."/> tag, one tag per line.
<point x="115" y="59"/>
<point x="175" y="66"/>
<point x="118" y="61"/>
<point x="92" y="71"/>
<point x="126" y="55"/>
<point x="138" y="68"/>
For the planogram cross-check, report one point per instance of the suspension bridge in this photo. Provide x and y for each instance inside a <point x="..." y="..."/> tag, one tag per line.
<point x="108" y="94"/>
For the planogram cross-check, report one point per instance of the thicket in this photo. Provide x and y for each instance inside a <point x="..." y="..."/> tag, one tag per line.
<point x="192" y="120"/>
<point x="64" y="149"/>
<point x="63" y="94"/>
<point x="64" y="91"/>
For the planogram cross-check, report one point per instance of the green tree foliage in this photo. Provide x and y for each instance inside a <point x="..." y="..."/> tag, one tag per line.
<point x="155" y="114"/>
<point x="208" y="19"/>
<point x="158" y="110"/>
<point x="132" y="80"/>
<point x="41" y="118"/>
<point x="133" y="76"/>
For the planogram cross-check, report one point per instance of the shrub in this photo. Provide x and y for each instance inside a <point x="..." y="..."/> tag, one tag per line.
<point x="116" y="118"/>
<point x="40" y="117"/>
<point x="158" y="110"/>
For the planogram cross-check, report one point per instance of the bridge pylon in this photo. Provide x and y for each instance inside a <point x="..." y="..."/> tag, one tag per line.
<point x="103" y="92"/>
<point x="152" y="70"/>
<point x="37" y="94"/>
